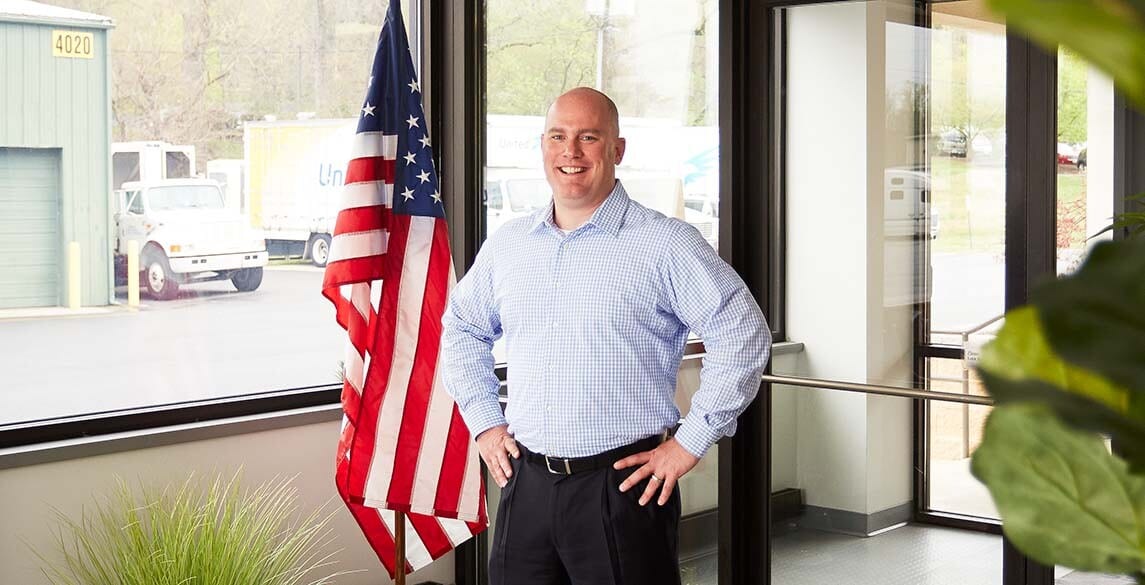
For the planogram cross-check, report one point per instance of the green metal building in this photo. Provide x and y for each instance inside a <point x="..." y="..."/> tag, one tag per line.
<point x="55" y="138"/>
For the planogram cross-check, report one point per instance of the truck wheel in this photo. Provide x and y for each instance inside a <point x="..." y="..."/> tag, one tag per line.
<point x="158" y="277"/>
<point x="320" y="249"/>
<point x="247" y="279"/>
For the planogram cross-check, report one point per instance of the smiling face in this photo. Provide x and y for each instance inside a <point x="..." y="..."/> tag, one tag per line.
<point x="581" y="148"/>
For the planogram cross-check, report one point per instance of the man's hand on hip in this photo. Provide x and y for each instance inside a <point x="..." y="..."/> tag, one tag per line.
<point x="496" y="445"/>
<point x="662" y="466"/>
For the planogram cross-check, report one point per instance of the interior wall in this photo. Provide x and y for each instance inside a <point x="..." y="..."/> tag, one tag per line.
<point x="784" y="426"/>
<point x="1099" y="159"/>
<point x="852" y="452"/>
<point x="891" y="263"/>
<point x="827" y="143"/>
<point x="29" y="494"/>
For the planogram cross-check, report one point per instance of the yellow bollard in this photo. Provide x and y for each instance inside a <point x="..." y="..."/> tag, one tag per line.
<point x="132" y="273"/>
<point x="73" y="275"/>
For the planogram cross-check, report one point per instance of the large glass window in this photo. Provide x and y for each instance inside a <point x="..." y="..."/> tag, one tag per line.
<point x="656" y="59"/>
<point x="249" y="106"/>
<point x="1084" y="182"/>
<point x="1085" y="186"/>
<point x="892" y="150"/>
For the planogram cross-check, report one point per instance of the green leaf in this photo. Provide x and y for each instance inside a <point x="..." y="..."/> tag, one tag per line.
<point x="1110" y="35"/>
<point x="1021" y="352"/>
<point x="1096" y="317"/>
<point x="1077" y="410"/>
<point x="1021" y="366"/>
<point x="1063" y="498"/>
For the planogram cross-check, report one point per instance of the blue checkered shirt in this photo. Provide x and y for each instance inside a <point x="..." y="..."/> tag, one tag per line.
<point x="595" y="324"/>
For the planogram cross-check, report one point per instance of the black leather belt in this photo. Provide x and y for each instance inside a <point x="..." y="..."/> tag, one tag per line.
<point x="571" y="465"/>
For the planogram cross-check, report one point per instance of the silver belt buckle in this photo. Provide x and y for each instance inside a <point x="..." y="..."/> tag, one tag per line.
<point x="549" y="465"/>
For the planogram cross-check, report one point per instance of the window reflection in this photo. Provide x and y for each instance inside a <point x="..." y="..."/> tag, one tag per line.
<point x="188" y="82"/>
<point x="655" y="59"/>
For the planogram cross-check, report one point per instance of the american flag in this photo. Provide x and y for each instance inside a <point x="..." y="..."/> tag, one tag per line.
<point x="404" y="446"/>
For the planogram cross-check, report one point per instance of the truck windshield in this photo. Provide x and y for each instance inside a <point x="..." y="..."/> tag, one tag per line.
<point x="185" y="197"/>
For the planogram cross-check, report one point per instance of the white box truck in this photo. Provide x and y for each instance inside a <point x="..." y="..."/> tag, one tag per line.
<point x="184" y="227"/>
<point x="295" y="170"/>
<point x="150" y="160"/>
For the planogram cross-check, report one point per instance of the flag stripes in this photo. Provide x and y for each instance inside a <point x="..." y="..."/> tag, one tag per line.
<point x="403" y="446"/>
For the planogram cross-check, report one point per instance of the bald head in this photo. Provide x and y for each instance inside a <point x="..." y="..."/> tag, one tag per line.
<point x="582" y="98"/>
<point x="581" y="147"/>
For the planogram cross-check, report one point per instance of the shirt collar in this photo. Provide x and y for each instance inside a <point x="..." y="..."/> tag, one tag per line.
<point x="608" y="217"/>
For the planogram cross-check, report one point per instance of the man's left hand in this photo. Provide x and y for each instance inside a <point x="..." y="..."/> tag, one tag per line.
<point x="662" y="466"/>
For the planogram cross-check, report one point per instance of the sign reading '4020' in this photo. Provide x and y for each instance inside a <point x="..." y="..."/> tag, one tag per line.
<point x="70" y="43"/>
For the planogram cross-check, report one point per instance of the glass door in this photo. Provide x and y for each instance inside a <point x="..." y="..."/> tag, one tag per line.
<point x="891" y="151"/>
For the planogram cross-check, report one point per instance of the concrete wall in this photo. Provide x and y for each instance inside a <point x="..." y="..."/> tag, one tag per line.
<point x="29" y="493"/>
<point x="1099" y="174"/>
<point x="847" y="452"/>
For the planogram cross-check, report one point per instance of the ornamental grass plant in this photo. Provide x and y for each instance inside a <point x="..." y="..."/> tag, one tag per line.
<point x="198" y="533"/>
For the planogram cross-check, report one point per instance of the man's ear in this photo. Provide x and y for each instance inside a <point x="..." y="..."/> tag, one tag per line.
<point x="620" y="144"/>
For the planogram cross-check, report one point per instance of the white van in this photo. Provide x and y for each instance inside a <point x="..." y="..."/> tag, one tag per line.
<point x="907" y="208"/>
<point x="513" y="193"/>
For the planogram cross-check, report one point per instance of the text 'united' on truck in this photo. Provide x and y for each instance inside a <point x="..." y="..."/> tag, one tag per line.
<point x="295" y="170"/>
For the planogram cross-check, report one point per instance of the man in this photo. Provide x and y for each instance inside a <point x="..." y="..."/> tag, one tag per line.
<point x="595" y="296"/>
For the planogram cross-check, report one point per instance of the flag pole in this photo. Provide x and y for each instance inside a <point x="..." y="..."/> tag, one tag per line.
<point x="400" y="547"/>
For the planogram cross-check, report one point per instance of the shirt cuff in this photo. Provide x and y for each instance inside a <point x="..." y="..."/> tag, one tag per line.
<point x="696" y="438"/>
<point x="483" y="416"/>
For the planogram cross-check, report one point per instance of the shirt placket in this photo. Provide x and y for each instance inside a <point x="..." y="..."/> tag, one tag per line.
<point x="551" y="319"/>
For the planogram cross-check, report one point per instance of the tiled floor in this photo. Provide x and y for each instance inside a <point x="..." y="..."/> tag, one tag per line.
<point x="910" y="555"/>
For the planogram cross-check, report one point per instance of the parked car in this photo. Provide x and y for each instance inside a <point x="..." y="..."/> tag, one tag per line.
<point x="952" y="143"/>
<point x="1068" y="153"/>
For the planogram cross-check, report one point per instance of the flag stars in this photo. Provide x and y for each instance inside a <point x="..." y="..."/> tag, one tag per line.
<point x="424" y="176"/>
<point x="410" y="158"/>
<point x="368" y="110"/>
<point x="413" y="86"/>
<point x="436" y="196"/>
<point x="424" y="140"/>
<point x="407" y="193"/>
<point x="412" y="121"/>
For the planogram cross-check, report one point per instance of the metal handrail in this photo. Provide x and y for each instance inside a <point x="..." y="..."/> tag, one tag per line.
<point x="965" y="336"/>
<point x="883" y="390"/>
<point x="974" y="329"/>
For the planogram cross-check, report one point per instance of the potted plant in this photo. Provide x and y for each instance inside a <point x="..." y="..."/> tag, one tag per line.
<point x="1067" y="371"/>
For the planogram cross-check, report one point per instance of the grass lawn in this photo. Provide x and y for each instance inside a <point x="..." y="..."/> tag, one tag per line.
<point x="971" y="202"/>
<point x="970" y="198"/>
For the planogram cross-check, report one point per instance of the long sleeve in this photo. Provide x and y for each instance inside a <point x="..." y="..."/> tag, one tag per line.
<point x="712" y="300"/>
<point x="470" y="326"/>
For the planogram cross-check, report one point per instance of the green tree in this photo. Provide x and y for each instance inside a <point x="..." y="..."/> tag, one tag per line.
<point x="536" y="50"/>
<point x="1073" y="73"/>
<point x="960" y="103"/>
<point x="192" y="75"/>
